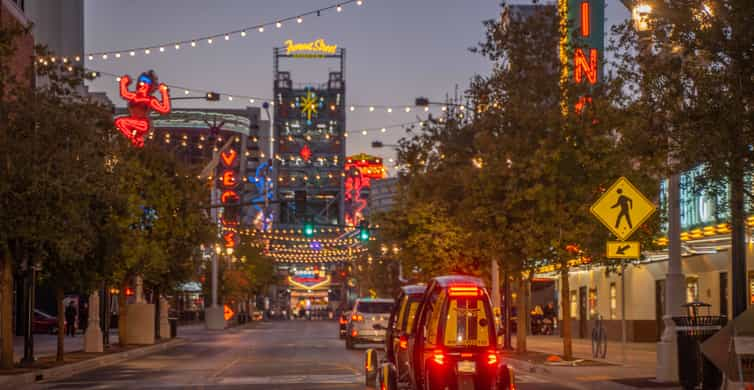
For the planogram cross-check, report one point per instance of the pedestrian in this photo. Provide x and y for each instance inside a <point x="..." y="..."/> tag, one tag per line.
<point x="84" y="317"/>
<point x="70" y="319"/>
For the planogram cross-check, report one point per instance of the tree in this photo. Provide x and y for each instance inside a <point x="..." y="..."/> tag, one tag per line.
<point x="689" y="77"/>
<point x="55" y="141"/>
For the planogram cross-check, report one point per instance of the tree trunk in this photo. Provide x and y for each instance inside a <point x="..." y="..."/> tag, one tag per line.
<point x="59" y="296"/>
<point x="738" y="243"/>
<point x="122" y="314"/>
<point x="565" y="309"/>
<point x="6" y="309"/>
<point x="523" y="314"/>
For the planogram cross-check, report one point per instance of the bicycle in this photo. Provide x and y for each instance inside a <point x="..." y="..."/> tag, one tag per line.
<point x="599" y="339"/>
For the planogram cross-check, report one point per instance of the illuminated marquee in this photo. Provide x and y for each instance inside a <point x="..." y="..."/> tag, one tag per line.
<point x="317" y="46"/>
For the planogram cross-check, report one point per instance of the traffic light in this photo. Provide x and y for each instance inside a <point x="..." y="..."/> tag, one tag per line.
<point x="363" y="231"/>
<point x="212" y="96"/>
<point x="308" y="229"/>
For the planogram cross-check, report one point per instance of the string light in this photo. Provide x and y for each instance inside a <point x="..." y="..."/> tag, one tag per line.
<point x="226" y="35"/>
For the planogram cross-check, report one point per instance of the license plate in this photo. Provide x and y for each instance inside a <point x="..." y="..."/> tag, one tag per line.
<point x="467" y="366"/>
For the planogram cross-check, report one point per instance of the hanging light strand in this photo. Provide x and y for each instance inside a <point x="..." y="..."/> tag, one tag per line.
<point x="210" y="39"/>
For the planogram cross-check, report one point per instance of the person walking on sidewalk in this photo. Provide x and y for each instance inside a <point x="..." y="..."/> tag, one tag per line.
<point x="70" y="319"/>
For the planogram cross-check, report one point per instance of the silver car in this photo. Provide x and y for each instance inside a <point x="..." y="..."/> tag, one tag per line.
<point x="368" y="321"/>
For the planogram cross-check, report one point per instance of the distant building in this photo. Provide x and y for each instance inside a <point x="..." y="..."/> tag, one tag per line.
<point x="12" y="13"/>
<point x="382" y="195"/>
<point x="58" y="24"/>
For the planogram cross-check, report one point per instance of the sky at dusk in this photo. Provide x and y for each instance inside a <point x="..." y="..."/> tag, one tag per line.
<point x="396" y="50"/>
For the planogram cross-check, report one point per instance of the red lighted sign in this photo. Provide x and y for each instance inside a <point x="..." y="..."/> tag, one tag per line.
<point x="229" y="196"/>
<point x="140" y="102"/>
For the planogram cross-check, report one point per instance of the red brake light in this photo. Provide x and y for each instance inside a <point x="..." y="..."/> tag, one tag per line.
<point x="343" y="321"/>
<point x="464" y="291"/>
<point x="357" y="317"/>
<point x="354" y="333"/>
<point x="492" y="358"/>
<point x="439" y="357"/>
<point x="403" y="342"/>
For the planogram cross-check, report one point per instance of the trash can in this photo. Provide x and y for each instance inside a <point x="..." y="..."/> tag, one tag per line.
<point x="695" y="369"/>
<point x="173" y="327"/>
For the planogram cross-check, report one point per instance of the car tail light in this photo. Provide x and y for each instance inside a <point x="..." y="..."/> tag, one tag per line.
<point x="491" y="358"/>
<point x="343" y="321"/>
<point x="439" y="357"/>
<point x="357" y="317"/>
<point x="354" y="333"/>
<point x="403" y="342"/>
<point x="464" y="291"/>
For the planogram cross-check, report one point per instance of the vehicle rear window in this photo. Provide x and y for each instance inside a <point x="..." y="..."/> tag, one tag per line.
<point x="374" y="307"/>
<point x="462" y="326"/>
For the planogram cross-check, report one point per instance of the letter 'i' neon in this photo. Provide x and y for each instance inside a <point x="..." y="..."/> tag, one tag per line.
<point x="585" y="18"/>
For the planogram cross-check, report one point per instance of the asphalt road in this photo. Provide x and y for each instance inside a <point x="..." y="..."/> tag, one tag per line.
<point x="273" y="355"/>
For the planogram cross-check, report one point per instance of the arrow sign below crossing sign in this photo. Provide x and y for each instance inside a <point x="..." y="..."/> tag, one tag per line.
<point x="623" y="249"/>
<point x="623" y="208"/>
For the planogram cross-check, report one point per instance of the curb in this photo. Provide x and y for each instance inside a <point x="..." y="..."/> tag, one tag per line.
<point x="67" y="370"/>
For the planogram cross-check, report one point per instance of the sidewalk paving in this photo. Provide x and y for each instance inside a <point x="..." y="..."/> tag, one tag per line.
<point x="78" y="361"/>
<point x="624" y="368"/>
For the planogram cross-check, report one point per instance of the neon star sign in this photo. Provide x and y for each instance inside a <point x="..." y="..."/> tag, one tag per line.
<point x="309" y="105"/>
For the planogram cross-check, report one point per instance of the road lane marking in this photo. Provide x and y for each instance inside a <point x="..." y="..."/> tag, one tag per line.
<point x="293" y="379"/>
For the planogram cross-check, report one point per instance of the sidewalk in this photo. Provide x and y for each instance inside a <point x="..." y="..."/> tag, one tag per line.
<point x="76" y="361"/>
<point x="632" y="367"/>
<point x="47" y="344"/>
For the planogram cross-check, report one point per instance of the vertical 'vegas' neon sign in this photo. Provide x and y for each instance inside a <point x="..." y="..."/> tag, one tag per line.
<point x="229" y="196"/>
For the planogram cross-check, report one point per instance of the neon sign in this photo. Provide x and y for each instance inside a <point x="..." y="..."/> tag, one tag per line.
<point x="140" y="103"/>
<point x="229" y="196"/>
<point x="587" y="20"/>
<point x="317" y="46"/>
<point x="360" y="170"/>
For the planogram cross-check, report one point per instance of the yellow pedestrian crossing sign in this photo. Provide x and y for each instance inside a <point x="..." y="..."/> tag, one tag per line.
<point x="622" y="208"/>
<point x="623" y="249"/>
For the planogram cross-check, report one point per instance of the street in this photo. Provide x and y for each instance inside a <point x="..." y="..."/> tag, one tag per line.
<point x="277" y="355"/>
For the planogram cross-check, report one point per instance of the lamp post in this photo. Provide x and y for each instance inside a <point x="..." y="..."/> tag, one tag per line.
<point x="667" y="359"/>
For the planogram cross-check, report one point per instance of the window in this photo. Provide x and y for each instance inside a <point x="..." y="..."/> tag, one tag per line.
<point x="434" y="318"/>
<point x="692" y="289"/>
<point x="613" y="301"/>
<point x="592" y="302"/>
<point x="375" y="307"/>
<point x="402" y="313"/>
<point x="463" y="324"/>
<point x="574" y="305"/>
<point x="411" y="315"/>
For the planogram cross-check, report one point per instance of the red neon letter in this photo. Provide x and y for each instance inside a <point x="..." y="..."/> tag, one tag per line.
<point x="585" y="17"/>
<point x="229" y="196"/>
<point x="229" y="158"/>
<point x="230" y="239"/>
<point x="581" y="66"/>
<point x="229" y="179"/>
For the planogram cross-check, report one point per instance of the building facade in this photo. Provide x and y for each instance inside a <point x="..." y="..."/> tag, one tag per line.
<point x="706" y="264"/>
<point x="310" y="144"/>
<point x="382" y="195"/>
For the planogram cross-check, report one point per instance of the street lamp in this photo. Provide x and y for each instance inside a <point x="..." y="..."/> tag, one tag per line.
<point x="640" y="15"/>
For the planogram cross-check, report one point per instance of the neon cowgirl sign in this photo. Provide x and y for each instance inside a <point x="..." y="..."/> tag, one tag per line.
<point x="140" y="103"/>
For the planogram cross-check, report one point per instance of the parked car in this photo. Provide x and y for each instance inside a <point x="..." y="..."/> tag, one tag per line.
<point x="453" y="341"/>
<point x="44" y="323"/>
<point x="368" y="321"/>
<point x="396" y="335"/>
